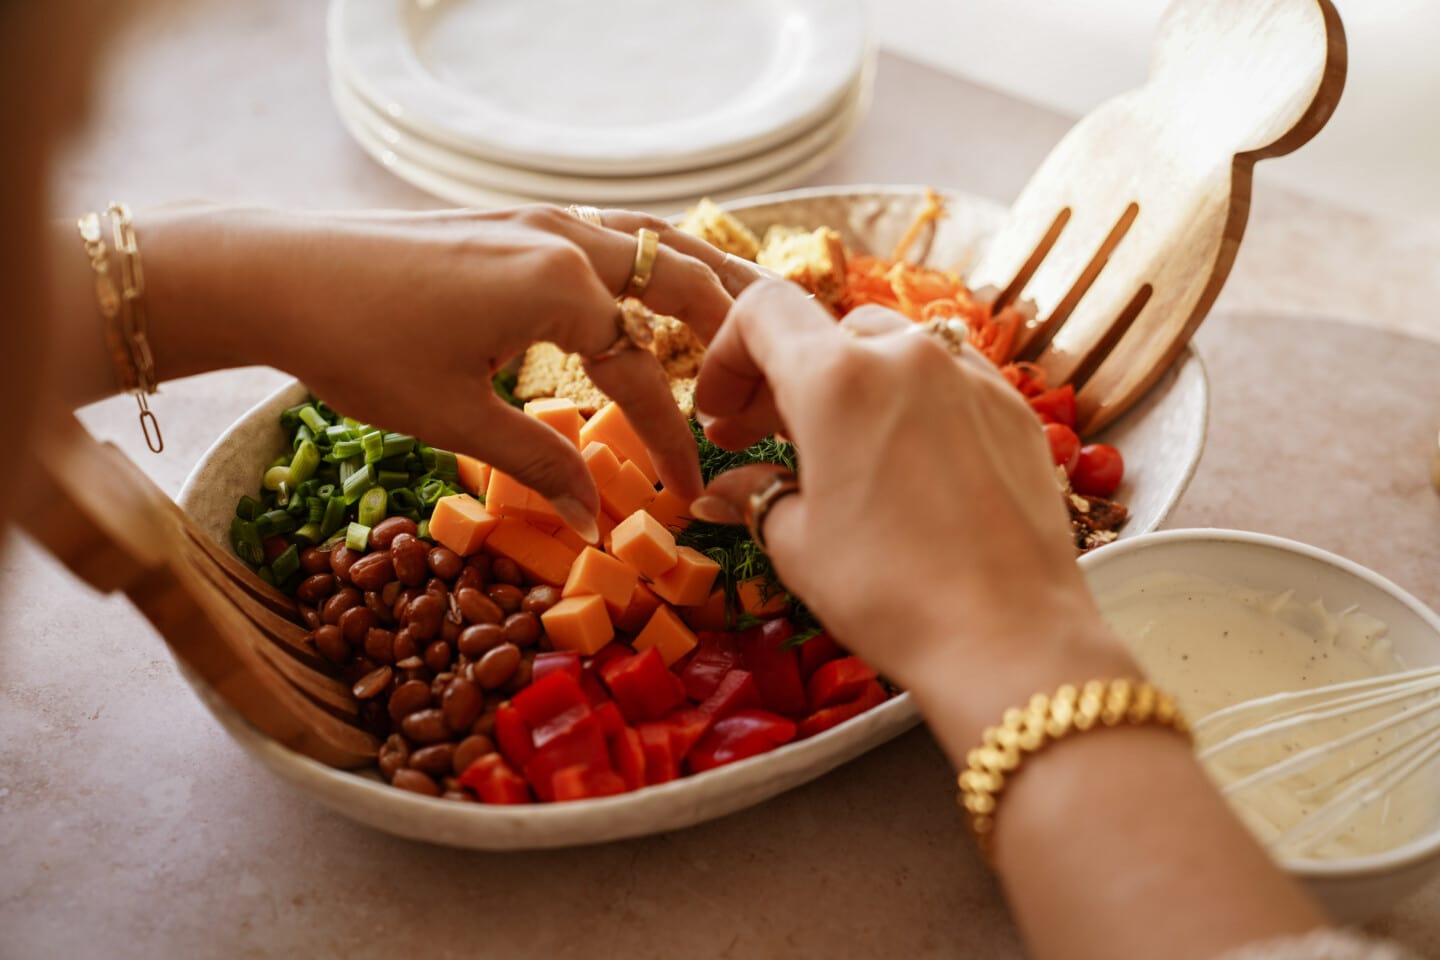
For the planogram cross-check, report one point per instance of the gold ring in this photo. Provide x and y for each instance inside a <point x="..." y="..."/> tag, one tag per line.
<point x="761" y="502"/>
<point x="636" y="323"/>
<point x="647" y="245"/>
<point x="589" y="214"/>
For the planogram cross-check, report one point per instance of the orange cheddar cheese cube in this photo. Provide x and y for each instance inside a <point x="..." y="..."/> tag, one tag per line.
<point x="461" y="523"/>
<point x="505" y="496"/>
<point x="626" y="492"/>
<point x="760" y="598"/>
<point x="570" y="538"/>
<point x="688" y="582"/>
<point x="560" y="413"/>
<point x="672" y="510"/>
<point x="643" y="604"/>
<point x="713" y="614"/>
<point x="666" y="633"/>
<point x="640" y="541"/>
<point x="599" y="574"/>
<point x="610" y="427"/>
<point x="474" y="474"/>
<point x="579" y="624"/>
<point x="536" y="552"/>
<point x="602" y="463"/>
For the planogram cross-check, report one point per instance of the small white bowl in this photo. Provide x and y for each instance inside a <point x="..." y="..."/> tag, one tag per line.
<point x="1352" y="889"/>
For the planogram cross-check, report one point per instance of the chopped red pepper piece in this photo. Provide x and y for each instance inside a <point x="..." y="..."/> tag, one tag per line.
<point x="737" y="691"/>
<point x="657" y="741"/>
<point x="776" y="668"/>
<point x="608" y="714"/>
<point x="819" y="649"/>
<point x="582" y="783"/>
<point x="740" y="736"/>
<point x="687" y="725"/>
<point x="627" y="753"/>
<point x="582" y="745"/>
<point x="871" y="694"/>
<point x="838" y="681"/>
<point x="715" y="655"/>
<point x="512" y="736"/>
<point x="493" y="780"/>
<point x="643" y="687"/>
<point x="542" y="701"/>
<point x="565" y="661"/>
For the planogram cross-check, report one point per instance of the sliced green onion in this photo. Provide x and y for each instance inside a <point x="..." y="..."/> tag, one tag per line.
<point x="248" y="508"/>
<point x="357" y="537"/>
<point x="431" y="491"/>
<point x="325" y="410"/>
<point x="423" y="530"/>
<point x="245" y="540"/>
<point x="297" y="507"/>
<point x="345" y="449"/>
<point x="264" y="574"/>
<point x="282" y="496"/>
<point x="373" y="443"/>
<point x="359" y="481"/>
<point x="398" y="444"/>
<point x="326" y="490"/>
<point x="287" y="564"/>
<point x="314" y="510"/>
<point x="446" y="465"/>
<point x="312" y="419"/>
<point x="272" y="522"/>
<point x="302" y="433"/>
<point x="334" y="516"/>
<point x="308" y="534"/>
<point x="291" y="416"/>
<point x="337" y="431"/>
<point x="372" y="506"/>
<point x="304" y="464"/>
<point x="390" y="479"/>
<point x="403" y="500"/>
<point x="275" y="476"/>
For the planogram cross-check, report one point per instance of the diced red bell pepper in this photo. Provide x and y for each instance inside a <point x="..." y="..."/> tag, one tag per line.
<point x="657" y="741"/>
<point x="594" y="689"/>
<point x="494" y="781"/>
<point x="687" y="725"/>
<point x="715" y="655"/>
<point x="838" y="681"/>
<point x="558" y="726"/>
<point x="545" y="699"/>
<point x="737" y="691"/>
<point x="608" y="714"/>
<point x="1056" y="406"/>
<point x="582" y="783"/>
<point x="566" y="661"/>
<point x="740" y="736"/>
<point x="871" y="694"/>
<point x="512" y="736"/>
<point x="583" y="745"/>
<point x="819" y="649"/>
<point x="611" y="651"/>
<point x="627" y="754"/>
<point x="643" y="687"/>
<point x="776" y="668"/>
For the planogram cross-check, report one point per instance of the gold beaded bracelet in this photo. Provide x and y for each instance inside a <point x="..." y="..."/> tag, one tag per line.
<point x="126" y="322"/>
<point x="1047" y="718"/>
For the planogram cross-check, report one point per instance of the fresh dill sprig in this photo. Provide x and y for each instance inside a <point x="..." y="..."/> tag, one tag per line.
<point x="504" y="383"/>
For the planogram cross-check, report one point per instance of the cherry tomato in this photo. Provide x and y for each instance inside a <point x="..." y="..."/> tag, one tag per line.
<point x="1055" y="406"/>
<point x="1099" y="471"/>
<point x="1064" y="446"/>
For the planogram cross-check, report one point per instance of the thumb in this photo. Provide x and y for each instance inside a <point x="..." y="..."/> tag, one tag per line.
<point x="544" y="460"/>
<point x="736" y="497"/>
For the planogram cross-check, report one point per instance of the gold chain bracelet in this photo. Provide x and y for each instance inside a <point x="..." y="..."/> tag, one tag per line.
<point x="126" y="321"/>
<point x="1045" y="719"/>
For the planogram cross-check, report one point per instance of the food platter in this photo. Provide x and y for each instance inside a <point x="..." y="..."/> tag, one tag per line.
<point x="1162" y="439"/>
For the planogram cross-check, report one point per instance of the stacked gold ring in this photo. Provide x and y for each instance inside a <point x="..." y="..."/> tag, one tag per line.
<point x="587" y="213"/>
<point x="647" y="248"/>
<point x="762" y="501"/>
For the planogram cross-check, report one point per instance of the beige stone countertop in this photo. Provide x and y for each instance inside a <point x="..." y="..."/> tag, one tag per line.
<point x="132" y="826"/>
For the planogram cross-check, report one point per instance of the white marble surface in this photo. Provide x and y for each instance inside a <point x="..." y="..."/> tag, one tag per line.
<point x="133" y="827"/>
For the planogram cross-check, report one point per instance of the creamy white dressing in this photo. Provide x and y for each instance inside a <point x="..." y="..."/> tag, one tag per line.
<point x="1213" y="644"/>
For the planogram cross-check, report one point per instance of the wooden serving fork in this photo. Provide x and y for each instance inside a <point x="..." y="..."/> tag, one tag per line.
<point x="111" y="525"/>
<point x="1126" y="233"/>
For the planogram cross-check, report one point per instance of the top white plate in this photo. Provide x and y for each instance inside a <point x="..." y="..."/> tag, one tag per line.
<point x="625" y="87"/>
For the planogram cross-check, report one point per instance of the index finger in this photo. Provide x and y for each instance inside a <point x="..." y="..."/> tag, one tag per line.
<point x="772" y="330"/>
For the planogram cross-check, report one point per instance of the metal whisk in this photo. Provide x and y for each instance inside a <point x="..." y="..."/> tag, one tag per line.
<point x="1353" y="770"/>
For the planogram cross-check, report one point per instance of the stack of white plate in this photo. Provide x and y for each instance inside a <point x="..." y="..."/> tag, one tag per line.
<point x="640" y="102"/>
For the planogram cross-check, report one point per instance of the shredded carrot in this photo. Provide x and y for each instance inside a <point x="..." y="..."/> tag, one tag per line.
<point x="934" y="211"/>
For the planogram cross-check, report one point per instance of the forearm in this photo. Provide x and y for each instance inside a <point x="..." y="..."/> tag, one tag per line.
<point x="1113" y="842"/>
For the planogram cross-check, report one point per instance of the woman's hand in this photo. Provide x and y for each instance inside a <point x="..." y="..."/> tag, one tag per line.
<point x="402" y="319"/>
<point x="929" y="526"/>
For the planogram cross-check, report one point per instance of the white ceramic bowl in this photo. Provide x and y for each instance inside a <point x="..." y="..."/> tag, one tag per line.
<point x="1356" y="888"/>
<point x="1161" y="439"/>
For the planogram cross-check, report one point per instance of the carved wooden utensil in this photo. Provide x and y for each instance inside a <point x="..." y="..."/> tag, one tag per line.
<point x="1125" y="235"/>
<point x="106" y="520"/>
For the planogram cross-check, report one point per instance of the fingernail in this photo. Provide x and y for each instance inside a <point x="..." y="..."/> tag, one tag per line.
<point x="704" y="419"/>
<point x="713" y="509"/>
<point x="577" y="518"/>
